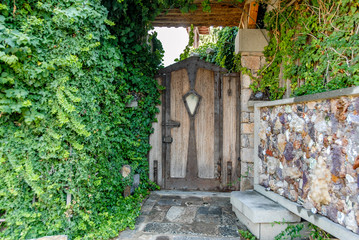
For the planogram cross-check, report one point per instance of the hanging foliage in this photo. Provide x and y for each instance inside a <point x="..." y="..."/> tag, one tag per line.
<point x="313" y="44"/>
<point x="218" y="48"/>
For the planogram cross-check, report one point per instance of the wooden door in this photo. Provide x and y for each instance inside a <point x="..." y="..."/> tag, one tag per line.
<point x="193" y="128"/>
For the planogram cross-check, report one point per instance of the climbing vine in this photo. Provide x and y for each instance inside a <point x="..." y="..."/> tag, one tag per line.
<point x="218" y="48"/>
<point x="313" y="44"/>
<point x="68" y="69"/>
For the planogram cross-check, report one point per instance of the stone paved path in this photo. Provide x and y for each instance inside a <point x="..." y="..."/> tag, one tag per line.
<point x="174" y="215"/>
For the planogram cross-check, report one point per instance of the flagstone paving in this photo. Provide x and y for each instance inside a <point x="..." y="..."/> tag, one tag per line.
<point x="175" y="215"/>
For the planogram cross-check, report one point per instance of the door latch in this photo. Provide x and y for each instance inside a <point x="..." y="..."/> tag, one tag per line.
<point x="171" y="124"/>
<point x="167" y="140"/>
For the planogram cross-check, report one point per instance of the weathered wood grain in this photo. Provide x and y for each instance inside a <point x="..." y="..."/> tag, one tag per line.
<point x="179" y="147"/>
<point x="230" y="94"/>
<point x="155" y="153"/>
<point x="204" y="124"/>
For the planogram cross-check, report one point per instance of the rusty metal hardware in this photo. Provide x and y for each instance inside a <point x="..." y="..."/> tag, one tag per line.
<point x="171" y="124"/>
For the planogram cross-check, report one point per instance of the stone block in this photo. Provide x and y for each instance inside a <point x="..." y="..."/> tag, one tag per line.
<point x="247" y="155"/>
<point x="247" y="169"/>
<point x="125" y="170"/>
<point x="254" y="228"/>
<point x="244" y="141"/>
<point x="251" y="140"/>
<point x="246" y="183"/>
<point x="251" y="62"/>
<point x="251" y="117"/>
<point x="259" y="209"/>
<point x="179" y="214"/>
<point x="245" y="117"/>
<point x="247" y="141"/>
<point x="251" y="40"/>
<point x="245" y="81"/>
<point x="245" y="95"/>
<point x="247" y="128"/>
<point x="136" y="183"/>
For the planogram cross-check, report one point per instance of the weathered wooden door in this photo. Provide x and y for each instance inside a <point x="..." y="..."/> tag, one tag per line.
<point x="195" y="126"/>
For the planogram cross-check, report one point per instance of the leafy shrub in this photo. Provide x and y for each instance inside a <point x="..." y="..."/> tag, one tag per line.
<point x="218" y="49"/>
<point x="313" y="44"/>
<point x="67" y="70"/>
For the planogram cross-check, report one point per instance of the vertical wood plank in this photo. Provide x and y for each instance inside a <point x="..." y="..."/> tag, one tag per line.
<point x="204" y="124"/>
<point x="230" y="95"/>
<point x="237" y="166"/>
<point x="217" y="131"/>
<point x="166" y="115"/>
<point x="179" y="147"/>
<point x="155" y="153"/>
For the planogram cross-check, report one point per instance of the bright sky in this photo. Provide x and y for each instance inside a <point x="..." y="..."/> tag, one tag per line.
<point x="174" y="41"/>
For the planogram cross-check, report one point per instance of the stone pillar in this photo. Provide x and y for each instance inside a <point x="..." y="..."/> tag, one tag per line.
<point x="253" y="61"/>
<point x="250" y="44"/>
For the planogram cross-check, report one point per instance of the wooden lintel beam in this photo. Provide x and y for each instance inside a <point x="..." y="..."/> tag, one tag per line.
<point x="222" y="14"/>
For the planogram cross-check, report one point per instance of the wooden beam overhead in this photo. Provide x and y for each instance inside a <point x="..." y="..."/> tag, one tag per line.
<point x="222" y="14"/>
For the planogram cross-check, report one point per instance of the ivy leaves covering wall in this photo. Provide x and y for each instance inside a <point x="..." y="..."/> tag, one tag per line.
<point x="67" y="70"/>
<point x="314" y="44"/>
<point x="218" y="48"/>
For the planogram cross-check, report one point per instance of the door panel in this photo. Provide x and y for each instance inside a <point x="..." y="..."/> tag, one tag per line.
<point x="200" y="123"/>
<point x="179" y="147"/>
<point x="204" y="124"/>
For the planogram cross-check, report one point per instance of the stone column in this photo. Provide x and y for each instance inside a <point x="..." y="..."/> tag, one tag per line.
<point x="253" y="61"/>
<point x="250" y="44"/>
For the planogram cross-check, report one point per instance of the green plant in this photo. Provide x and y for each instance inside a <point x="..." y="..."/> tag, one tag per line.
<point x="291" y="232"/>
<point x="67" y="70"/>
<point x="317" y="233"/>
<point x="313" y="44"/>
<point x="218" y="48"/>
<point x="247" y="235"/>
<point x="186" y="51"/>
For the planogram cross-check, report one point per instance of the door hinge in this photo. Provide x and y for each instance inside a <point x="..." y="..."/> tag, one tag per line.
<point x="167" y="140"/>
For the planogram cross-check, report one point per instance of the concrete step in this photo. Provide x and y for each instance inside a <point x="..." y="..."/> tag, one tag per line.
<point x="260" y="214"/>
<point x="260" y="209"/>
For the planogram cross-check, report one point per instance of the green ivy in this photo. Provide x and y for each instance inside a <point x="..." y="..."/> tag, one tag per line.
<point x="315" y="42"/>
<point x="219" y="48"/>
<point x="187" y="50"/>
<point x="67" y="70"/>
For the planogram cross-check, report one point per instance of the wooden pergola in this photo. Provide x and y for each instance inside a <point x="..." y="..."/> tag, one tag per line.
<point x="226" y="13"/>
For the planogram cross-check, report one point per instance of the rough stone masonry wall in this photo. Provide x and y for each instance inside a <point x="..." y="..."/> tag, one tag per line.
<point x="309" y="153"/>
<point x="252" y="61"/>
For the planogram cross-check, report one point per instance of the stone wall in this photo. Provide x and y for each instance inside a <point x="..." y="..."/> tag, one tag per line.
<point x="252" y="61"/>
<point x="308" y="152"/>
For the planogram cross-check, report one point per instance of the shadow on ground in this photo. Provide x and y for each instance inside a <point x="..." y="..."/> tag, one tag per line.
<point x="174" y="215"/>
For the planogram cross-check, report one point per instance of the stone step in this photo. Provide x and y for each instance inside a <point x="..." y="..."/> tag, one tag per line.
<point x="261" y="215"/>
<point x="260" y="209"/>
